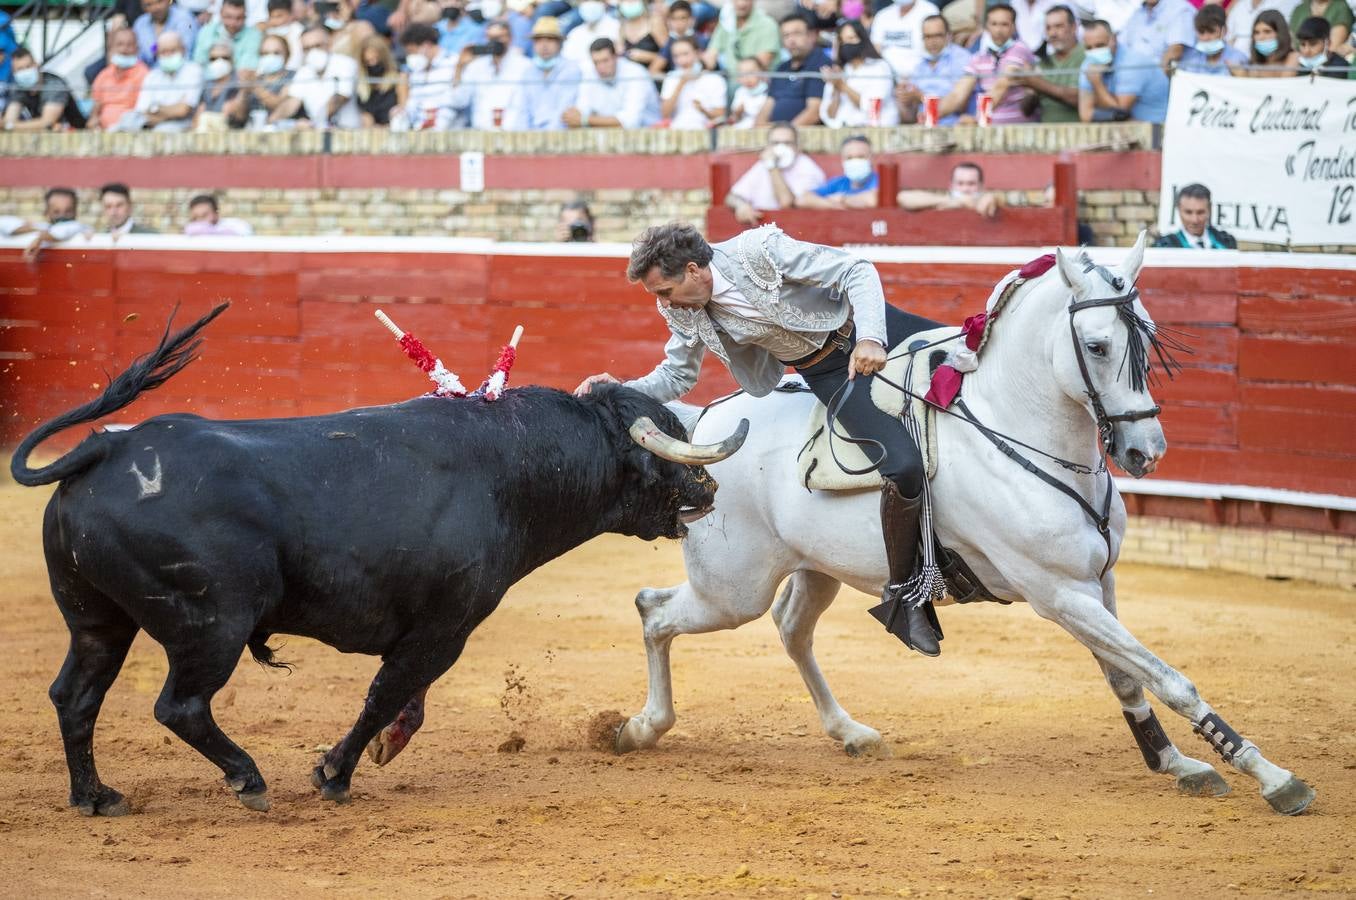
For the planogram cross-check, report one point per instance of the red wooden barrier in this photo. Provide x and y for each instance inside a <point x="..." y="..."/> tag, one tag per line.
<point x="1268" y="399"/>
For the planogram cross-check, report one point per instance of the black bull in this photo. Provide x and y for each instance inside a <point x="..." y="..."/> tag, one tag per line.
<point x="391" y="531"/>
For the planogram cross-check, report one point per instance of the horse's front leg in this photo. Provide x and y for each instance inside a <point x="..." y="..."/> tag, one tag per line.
<point x="1194" y="776"/>
<point x="1078" y="610"/>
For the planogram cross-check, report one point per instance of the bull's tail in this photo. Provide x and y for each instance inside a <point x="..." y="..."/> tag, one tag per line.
<point x="264" y="654"/>
<point x="145" y="374"/>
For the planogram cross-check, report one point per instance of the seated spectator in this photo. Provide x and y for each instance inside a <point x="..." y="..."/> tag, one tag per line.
<point x="1272" y="54"/>
<point x="967" y="192"/>
<point x="1193" y="211"/>
<point x="428" y="103"/>
<point x="1159" y="29"/>
<point x="281" y="23"/>
<point x="60" y="208"/>
<point x="781" y="174"/>
<point x="743" y="32"/>
<point x="457" y="30"/>
<point x="554" y="87"/>
<point x="116" y="199"/>
<point x="117" y="85"/>
<point x="222" y="99"/>
<point x="1315" y="49"/>
<point x="347" y="31"/>
<point x="204" y="218"/>
<point x="692" y="98"/>
<point x="796" y="98"/>
<point x="170" y="92"/>
<point x="1054" y="93"/>
<point x="38" y="100"/>
<point x="637" y="39"/>
<point x="324" y="89"/>
<point x="856" y="188"/>
<point x="490" y="87"/>
<point x="750" y="96"/>
<point x="999" y="53"/>
<point x="1337" y="13"/>
<point x="941" y="65"/>
<point x="680" y="23"/>
<point x="230" y="28"/>
<point x="1242" y="15"/>
<point x="1116" y="84"/>
<point x="519" y="20"/>
<point x="575" y="223"/>
<point x="860" y="87"/>
<point x="897" y="32"/>
<point x="619" y="93"/>
<point x="1031" y="16"/>
<point x="596" y="23"/>
<point x="268" y="90"/>
<point x="162" y="17"/>
<point x="382" y="88"/>
<point x="1211" y="55"/>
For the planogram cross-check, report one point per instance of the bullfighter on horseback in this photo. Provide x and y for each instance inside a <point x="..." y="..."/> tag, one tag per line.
<point x="763" y="302"/>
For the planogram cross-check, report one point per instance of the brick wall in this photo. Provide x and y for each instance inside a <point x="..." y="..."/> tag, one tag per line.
<point x="1266" y="553"/>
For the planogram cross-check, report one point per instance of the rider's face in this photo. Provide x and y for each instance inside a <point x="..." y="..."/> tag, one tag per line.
<point x="690" y="290"/>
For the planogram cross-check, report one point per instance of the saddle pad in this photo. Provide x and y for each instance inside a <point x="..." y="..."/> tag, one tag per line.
<point x="817" y="469"/>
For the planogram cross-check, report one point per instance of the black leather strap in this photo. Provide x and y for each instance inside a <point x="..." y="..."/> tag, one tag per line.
<point x="1151" y="737"/>
<point x="1217" y="733"/>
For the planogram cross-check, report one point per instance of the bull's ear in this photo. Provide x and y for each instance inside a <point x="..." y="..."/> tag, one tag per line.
<point x="1074" y="276"/>
<point x="1134" y="260"/>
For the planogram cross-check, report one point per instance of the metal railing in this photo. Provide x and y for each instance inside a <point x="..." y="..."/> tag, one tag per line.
<point x="50" y="18"/>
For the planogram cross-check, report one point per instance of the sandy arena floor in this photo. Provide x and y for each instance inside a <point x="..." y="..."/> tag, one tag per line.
<point x="1013" y="773"/>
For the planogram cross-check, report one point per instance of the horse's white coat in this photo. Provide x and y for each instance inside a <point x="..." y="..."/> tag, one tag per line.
<point x="1023" y="539"/>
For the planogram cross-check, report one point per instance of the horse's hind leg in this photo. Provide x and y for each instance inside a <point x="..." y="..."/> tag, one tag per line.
<point x="796" y="612"/>
<point x="1193" y="775"/>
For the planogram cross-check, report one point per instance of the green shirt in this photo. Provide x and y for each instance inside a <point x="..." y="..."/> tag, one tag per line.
<point x="1337" y="13"/>
<point x="760" y="34"/>
<point x="245" y="44"/>
<point x="1053" y="110"/>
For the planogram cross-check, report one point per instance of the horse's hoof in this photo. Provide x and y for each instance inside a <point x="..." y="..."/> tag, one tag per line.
<point x="867" y="746"/>
<point x="1291" y="798"/>
<point x="1206" y="783"/>
<point x="257" y="801"/>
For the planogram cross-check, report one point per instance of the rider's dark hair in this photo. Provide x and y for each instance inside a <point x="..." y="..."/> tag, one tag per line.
<point x="669" y="248"/>
<point x="1195" y="191"/>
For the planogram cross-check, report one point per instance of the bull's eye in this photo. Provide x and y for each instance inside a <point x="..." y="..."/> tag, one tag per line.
<point x="1097" y="349"/>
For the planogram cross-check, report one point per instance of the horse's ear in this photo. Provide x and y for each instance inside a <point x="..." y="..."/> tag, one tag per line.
<point x="1134" y="260"/>
<point x="1074" y="276"/>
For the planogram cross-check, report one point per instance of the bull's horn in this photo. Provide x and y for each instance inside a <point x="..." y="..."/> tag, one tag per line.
<point x="647" y="434"/>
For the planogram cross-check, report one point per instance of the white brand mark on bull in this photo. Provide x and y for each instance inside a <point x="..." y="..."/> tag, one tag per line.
<point x="149" y="487"/>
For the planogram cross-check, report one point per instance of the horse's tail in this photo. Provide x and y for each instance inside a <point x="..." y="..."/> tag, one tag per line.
<point x="146" y="373"/>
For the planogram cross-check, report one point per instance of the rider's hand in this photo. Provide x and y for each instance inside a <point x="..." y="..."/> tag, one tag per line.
<point x="868" y="358"/>
<point x="587" y="384"/>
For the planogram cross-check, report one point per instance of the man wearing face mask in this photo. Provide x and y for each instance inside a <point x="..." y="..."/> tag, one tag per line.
<point x="1315" y="54"/>
<point x="680" y="24"/>
<point x="428" y="106"/>
<point x="325" y="86"/>
<point x="942" y="66"/>
<point x="172" y="90"/>
<point x="39" y="101"/>
<point x="856" y="188"/>
<point x="554" y="86"/>
<point x="163" y="17"/>
<point x="116" y="87"/>
<point x="1118" y="84"/>
<point x="489" y="88"/>
<point x="598" y="21"/>
<point x="59" y="222"/>
<point x="231" y="28"/>
<point x="619" y="93"/>
<point x="781" y="174"/>
<point x="988" y="74"/>
<point x="1211" y="55"/>
<point x="281" y="23"/>
<point x="456" y="29"/>
<point x="897" y="32"/>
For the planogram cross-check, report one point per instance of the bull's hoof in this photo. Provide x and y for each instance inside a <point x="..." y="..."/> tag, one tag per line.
<point x="328" y="787"/>
<point x="108" y="802"/>
<point x="386" y="746"/>
<point x="1291" y="798"/>
<point x="1206" y="783"/>
<point x="257" y="801"/>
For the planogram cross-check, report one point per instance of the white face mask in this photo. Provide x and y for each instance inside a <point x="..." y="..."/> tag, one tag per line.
<point x="317" y="59"/>
<point x="218" y="69"/>
<point x="270" y="63"/>
<point x="784" y="154"/>
<point x="857" y="169"/>
<point x="491" y="9"/>
<point x="592" y="10"/>
<point x="417" y="62"/>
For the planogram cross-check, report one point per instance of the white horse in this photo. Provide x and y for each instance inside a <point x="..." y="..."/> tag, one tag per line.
<point x="1057" y="349"/>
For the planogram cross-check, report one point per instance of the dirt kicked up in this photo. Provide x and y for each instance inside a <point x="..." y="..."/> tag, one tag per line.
<point x="1012" y="775"/>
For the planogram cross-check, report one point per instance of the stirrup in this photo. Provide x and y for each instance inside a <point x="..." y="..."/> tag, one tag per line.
<point x="914" y="624"/>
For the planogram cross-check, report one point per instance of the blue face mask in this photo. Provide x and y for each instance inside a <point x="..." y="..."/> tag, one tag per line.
<point x="26" y="78"/>
<point x="124" y="60"/>
<point x="545" y="65"/>
<point x="1312" y="62"/>
<point x="1210" y="48"/>
<point x="1267" y="47"/>
<point x="1101" y="56"/>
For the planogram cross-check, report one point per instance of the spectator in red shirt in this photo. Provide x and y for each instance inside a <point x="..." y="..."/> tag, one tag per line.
<point x="115" y="89"/>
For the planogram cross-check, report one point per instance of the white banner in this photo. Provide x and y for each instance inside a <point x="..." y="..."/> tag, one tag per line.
<point x="1278" y="155"/>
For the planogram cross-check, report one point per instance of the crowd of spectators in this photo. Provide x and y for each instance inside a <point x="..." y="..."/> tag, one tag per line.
<point x="210" y="65"/>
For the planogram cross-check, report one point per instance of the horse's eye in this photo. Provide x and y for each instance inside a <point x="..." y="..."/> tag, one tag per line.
<point x="1097" y="349"/>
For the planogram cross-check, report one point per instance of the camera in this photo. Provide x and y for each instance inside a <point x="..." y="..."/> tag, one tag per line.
<point x="581" y="232"/>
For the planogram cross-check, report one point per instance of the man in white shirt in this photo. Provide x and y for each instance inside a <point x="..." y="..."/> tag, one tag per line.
<point x="581" y="37"/>
<point x="1242" y="15"/>
<point x="619" y="93"/>
<point x="429" y="104"/>
<point x="897" y="32"/>
<point x="170" y="92"/>
<point x="1114" y="12"/>
<point x="325" y="86"/>
<point x="1160" y="29"/>
<point x="489" y="88"/>
<point x="59" y="210"/>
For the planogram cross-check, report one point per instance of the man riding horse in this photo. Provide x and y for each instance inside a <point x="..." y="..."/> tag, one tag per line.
<point x="763" y="302"/>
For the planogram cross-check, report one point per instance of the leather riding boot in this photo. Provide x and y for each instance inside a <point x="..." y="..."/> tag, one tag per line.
<point x="899" y="516"/>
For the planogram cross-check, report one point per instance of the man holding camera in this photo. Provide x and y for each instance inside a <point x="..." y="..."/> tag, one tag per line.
<point x="489" y="82"/>
<point x="575" y="224"/>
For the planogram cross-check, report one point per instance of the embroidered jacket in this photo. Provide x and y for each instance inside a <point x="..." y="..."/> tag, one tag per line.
<point x="807" y="290"/>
